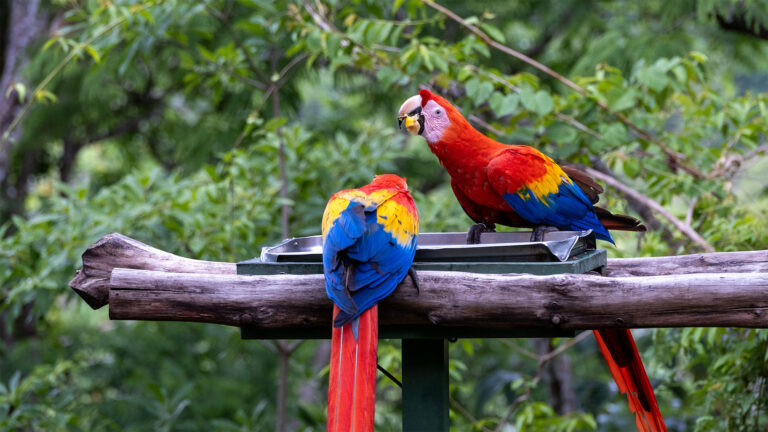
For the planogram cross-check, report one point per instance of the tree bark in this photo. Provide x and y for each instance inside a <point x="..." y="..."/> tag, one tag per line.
<point x="24" y="25"/>
<point x="710" y="289"/>
<point x="119" y="251"/>
<point x="451" y="299"/>
<point x="713" y="262"/>
<point x="558" y="378"/>
<point x="116" y="250"/>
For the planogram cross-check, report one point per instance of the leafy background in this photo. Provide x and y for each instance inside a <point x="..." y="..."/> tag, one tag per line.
<point x="210" y="129"/>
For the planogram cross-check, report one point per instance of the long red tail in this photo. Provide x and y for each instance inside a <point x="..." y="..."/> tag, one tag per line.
<point x="620" y="352"/>
<point x="352" y="385"/>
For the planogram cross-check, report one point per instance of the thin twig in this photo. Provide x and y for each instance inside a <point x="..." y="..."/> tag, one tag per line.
<point x="685" y="229"/>
<point x="244" y="79"/>
<point x="579" y="125"/>
<point x="484" y="124"/>
<point x="406" y="22"/>
<point x="562" y="348"/>
<point x="755" y="152"/>
<point x="319" y="20"/>
<point x="250" y="81"/>
<point x="503" y="48"/>
<point x="516" y="403"/>
<point x="677" y="157"/>
<point x="386" y="48"/>
<point x="726" y="165"/>
<point x="465" y="412"/>
<point x="268" y="346"/>
<point x="519" y="349"/>
<point x="294" y="61"/>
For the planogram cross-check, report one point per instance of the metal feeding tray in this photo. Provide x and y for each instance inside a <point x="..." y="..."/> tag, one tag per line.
<point x="503" y="252"/>
<point x="453" y="247"/>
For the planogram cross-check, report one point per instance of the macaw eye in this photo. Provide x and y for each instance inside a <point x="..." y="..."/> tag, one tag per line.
<point x="438" y="112"/>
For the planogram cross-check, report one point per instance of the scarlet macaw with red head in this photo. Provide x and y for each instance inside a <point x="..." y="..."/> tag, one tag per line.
<point x="517" y="185"/>
<point x="514" y="185"/>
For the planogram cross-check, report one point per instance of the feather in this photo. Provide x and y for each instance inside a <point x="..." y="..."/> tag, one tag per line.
<point x="618" y="348"/>
<point x="587" y="184"/>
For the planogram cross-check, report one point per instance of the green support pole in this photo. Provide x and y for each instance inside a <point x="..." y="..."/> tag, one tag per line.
<point x="425" y="385"/>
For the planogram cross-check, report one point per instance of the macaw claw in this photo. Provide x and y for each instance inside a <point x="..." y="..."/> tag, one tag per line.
<point x="473" y="235"/>
<point x="538" y="232"/>
<point x="415" y="279"/>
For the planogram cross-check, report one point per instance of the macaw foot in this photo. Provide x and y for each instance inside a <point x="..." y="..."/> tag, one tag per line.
<point x="538" y="232"/>
<point x="414" y="279"/>
<point x="473" y="235"/>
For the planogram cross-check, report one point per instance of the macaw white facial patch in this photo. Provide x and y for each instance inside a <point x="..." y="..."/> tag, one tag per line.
<point x="435" y="121"/>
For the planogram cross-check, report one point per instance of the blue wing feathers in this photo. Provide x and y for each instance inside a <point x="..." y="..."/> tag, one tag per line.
<point x="568" y="209"/>
<point x="358" y="243"/>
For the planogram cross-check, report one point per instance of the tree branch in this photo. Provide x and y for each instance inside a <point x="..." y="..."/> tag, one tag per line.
<point x="680" y="225"/>
<point x="645" y="212"/>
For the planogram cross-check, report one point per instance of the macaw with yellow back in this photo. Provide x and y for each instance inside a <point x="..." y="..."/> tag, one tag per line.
<point x="518" y="186"/>
<point x="369" y="241"/>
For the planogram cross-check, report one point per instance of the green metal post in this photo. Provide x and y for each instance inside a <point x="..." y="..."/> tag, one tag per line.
<point x="425" y="385"/>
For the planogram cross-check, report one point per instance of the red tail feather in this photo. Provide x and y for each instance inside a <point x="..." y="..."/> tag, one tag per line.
<point x="352" y="385"/>
<point x="620" y="352"/>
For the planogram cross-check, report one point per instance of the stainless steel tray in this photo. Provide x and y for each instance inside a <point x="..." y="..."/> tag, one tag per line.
<point x="452" y="247"/>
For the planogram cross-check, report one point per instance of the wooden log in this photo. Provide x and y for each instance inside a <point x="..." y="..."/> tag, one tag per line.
<point x="451" y="299"/>
<point x="717" y="262"/>
<point x="116" y="250"/>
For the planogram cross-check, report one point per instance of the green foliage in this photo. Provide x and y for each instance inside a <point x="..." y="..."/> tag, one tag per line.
<point x="158" y="119"/>
<point x="724" y="370"/>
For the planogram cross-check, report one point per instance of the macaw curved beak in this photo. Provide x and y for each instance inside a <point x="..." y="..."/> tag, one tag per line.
<point x="410" y="116"/>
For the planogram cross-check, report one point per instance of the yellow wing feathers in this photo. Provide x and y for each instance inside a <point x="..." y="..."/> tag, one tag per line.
<point x="398" y="221"/>
<point x="549" y="183"/>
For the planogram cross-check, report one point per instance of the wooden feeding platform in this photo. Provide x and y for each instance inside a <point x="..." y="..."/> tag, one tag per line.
<point x="498" y="253"/>
<point x="504" y="287"/>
